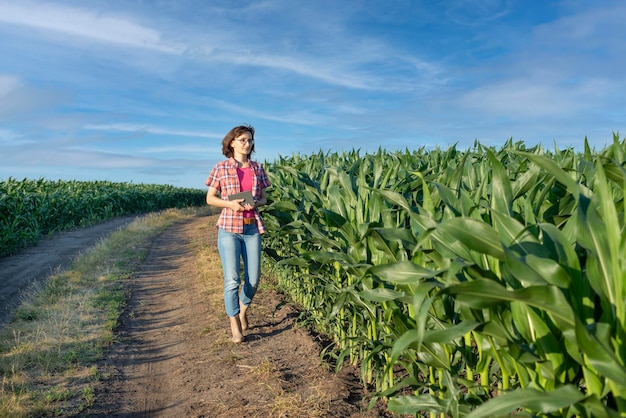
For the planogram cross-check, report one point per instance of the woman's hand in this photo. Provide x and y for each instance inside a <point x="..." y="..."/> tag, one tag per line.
<point x="237" y="205"/>
<point x="234" y="205"/>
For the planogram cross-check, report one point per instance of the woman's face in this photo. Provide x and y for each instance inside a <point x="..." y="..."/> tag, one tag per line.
<point x="243" y="143"/>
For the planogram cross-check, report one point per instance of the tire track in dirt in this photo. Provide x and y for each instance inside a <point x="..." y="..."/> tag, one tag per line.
<point x="50" y="255"/>
<point x="173" y="356"/>
<point x="157" y="328"/>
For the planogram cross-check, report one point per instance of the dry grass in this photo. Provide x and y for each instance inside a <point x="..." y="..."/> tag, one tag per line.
<point x="315" y="405"/>
<point x="48" y="351"/>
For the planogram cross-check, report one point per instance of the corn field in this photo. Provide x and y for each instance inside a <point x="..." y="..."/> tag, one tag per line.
<point x="32" y="208"/>
<point x="480" y="283"/>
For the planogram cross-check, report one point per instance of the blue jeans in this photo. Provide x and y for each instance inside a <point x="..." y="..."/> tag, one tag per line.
<point x="232" y="249"/>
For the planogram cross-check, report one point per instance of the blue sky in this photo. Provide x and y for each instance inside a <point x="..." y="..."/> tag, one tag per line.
<point x="144" y="91"/>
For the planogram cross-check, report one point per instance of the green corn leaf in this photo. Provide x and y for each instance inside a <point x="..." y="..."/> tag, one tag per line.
<point x="517" y="268"/>
<point x="531" y="399"/>
<point x="473" y="234"/>
<point x="346" y="184"/>
<point x="326" y="257"/>
<point x="616" y="173"/>
<point x="391" y="248"/>
<point x="602" y="264"/>
<point x="380" y="294"/>
<point x="403" y="272"/>
<point x="549" y="270"/>
<point x="334" y="219"/>
<point x="512" y="232"/>
<point x="293" y="261"/>
<point x="595" y="341"/>
<point x="595" y="408"/>
<point x="525" y="182"/>
<point x="318" y="236"/>
<point x="413" y="337"/>
<point x="593" y="382"/>
<point x="435" y="355"/>
<point x="546" y="344"/>
<point x="392" y="234"/>
<point x="339" y="201"/>
<point x="416" y="404"/>
<point x="395" y="198"/>
<point x="282" y="206"/>
<point x="450" y="333"/>
<point x="613" y="236"/>
<point x="533" y="270"/>
<point x="501" y="192"/>
<point x="560" y="247"/>
<point x="427" y="201"/>
<point x="449" y="198"/>
<point x="485" y="293"/>
<point x="554" y="170"/>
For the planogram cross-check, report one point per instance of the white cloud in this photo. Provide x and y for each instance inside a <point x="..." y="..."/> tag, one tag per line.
<point x="304" y="116"/>
<point x="534" y="98"/>
<point x="8" y="85"/>
<point x="59" y="157"/>
<point x="476" y="12"/>
<point x="11" y="138"/>
<point x="17" y="97"/>
<point x="85" y="24"/>
<point x="143" y="128"/>
<point x="363" y="64"/>
<point x="183" y="148"/>
<point x="596" y="26"/>
<point x="342" y="61"/>
<point x="567" y="69"/>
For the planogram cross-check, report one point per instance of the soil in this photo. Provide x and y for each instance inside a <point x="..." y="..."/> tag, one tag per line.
<point x="173" y="356"/>
<point x="52" y="254"/>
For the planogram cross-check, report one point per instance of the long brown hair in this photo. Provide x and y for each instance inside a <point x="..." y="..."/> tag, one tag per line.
<point x="227" y="150"/>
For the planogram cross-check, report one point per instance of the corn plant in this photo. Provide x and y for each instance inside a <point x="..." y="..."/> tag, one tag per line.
<point x="31" y="208"/>
<point x="471" y="283"/>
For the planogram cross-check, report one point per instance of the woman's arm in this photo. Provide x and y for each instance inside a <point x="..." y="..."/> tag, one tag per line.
<point x="213" y="200"/>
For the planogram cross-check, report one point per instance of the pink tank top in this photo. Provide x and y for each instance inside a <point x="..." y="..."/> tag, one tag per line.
<point x="245" y="182"/>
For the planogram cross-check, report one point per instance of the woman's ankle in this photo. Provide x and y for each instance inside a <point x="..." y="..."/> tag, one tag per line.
<point x="243" y="318"/>
<point x="235" y="329"/>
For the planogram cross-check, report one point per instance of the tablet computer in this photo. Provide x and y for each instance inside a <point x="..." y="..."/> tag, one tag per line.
<point x="247" y="196"/>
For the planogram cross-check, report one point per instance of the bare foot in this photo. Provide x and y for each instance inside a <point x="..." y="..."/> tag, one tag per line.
<point x="243" y="319"/>
<point x="235" y="329"/>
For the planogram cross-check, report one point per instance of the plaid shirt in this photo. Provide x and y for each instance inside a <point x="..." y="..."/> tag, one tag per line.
<point x="224" y="178"/>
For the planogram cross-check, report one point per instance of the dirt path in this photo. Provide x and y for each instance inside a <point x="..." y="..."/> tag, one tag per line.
<point x="173" y="356"/>
<point x="51" y="255"/>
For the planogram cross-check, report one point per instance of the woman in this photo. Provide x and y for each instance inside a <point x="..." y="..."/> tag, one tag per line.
<point x="239" y="226"/>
